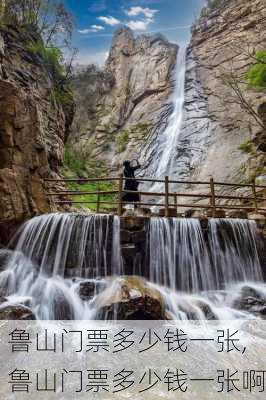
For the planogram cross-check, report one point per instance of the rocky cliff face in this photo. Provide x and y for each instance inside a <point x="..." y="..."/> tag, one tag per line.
<point x="127" y="103"/>
<point x="33" y="129"/>
<point x="215" y="128"/>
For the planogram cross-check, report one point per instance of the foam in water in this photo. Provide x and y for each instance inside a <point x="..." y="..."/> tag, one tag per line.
<point x="200" y="274"/>
<point x="181" y="258"/>
<point x="51" y="246"/>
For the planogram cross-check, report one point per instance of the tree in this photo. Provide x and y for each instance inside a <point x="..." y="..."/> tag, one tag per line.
<point x="46" y="28"/>
<point x="49" y="18"/>
<point x="240" y="84"/>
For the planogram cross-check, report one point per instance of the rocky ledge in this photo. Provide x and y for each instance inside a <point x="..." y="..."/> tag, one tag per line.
<point x="34" y="127"/>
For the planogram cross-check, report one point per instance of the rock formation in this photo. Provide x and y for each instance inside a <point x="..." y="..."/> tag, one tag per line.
<point x="126" y="103"/>
<point x="33" y="130"/>
<point x="130" y="298"/>
<point x="215" y="128"/>
<point x="125" y="109"/>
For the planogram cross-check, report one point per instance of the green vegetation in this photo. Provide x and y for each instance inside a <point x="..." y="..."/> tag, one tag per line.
<point x="92" y="187"/>
<point x="247" y="147"/>
<point x="212" y="4"/>
<point x="40" y="25"/>
<point x="256" y="76"/>
<point x="73" y="162"/>
<point x="78" y="165"/>
<point x="137" y="132"/>
<point x="51" y="56"/>
<point x="122" y="141"/>
<point x="45" y="18"/>
<point x="53" y="61"/>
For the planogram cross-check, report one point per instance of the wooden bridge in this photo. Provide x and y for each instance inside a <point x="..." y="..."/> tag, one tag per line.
<point x="210" y="199"/>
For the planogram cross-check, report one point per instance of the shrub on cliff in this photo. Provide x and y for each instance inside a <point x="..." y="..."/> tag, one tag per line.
<point x="48" y="26"/>
<point x="47" y="17"/>
<point x="256" y="75"/>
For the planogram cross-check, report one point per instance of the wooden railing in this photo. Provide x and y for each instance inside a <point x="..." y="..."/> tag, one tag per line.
<point x="250" y="202"/>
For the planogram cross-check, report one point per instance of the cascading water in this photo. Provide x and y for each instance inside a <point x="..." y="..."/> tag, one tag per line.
<point x="167" y="141"/>
<point x="65" y="266"/>
<point x="203" y="275"/>
<point x="50" y="249"/>
<point x="181" y="258"/>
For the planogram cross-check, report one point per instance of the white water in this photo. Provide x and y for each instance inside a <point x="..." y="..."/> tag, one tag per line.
<point x="199" y="277"/>
<point x="182" y="259"/>
<point x="51" y="247"/>
<point x="168" y="140"/>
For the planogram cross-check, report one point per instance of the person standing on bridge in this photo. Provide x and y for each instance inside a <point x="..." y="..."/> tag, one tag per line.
<point x="131" y="183"/>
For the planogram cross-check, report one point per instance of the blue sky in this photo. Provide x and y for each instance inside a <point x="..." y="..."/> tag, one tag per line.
<point x="96" y="20"/>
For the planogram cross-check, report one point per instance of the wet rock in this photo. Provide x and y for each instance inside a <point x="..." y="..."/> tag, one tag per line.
<point x="194" y="310"/>
<point x="131" y="298"/>
<point x="248" y="291"/>
<point x="139" y="236"/>
<point x="252" y="301"/>
<point x="203" y="222"/>
<point x="125" y="236"/>
<point x="207" y="311"/>
<point x="237" y="214"/>
<point x="2" y="300"/>
<point x="128" y="251"/>
<point x="216" y="214"/>
<point x="143" y="212"/>
<point x="133" y="223"/>
<point x="88" y="289"/>
<point x="16" y="312"/>
<point x="252" y="305"/>
<point x="4" y="258"/>
<point x="62" y="309"/>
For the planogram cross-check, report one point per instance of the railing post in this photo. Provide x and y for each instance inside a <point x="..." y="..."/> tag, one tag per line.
<point x="166" y="196"/>
<point x="98" y="199"/>
<point x="255" y="196"/>
<point x="212" y="200"/>
<point x="120" y="189"/>
<point x="175" y="201"/>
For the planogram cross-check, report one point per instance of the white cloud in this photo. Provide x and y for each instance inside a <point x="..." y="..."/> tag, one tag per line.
<point x="139" y="25"/>
<point x="95" y="58"/>
<point x="97" y="27"/>
<point x="112" y="21"/>
<point x="148" y="12"/>
<point x="92" y="29"/>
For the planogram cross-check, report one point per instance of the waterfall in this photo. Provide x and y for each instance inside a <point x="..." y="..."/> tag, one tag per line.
<point x="59" y="243"/>
<point x="49" y="250"/>
<point x="67" y="266"/>
<point x="166" y="143"/>
<point x="181" y="258"/>
<point x="170" y="135"/>
<point x="234" y="250"/>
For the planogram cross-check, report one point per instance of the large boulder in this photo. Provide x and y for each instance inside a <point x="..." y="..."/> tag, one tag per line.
<point x="15" y="312"/>
<point x="252" y="301"/>
<point x="130" y="298"/>
<point x="89" y="288"/>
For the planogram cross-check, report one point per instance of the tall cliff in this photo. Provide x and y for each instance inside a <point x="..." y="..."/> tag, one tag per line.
<point x="33" y="129"/>
<point x="120" y="108"/>
<point x="219" y="138"/>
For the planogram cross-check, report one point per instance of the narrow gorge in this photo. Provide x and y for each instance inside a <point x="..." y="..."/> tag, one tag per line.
<point x="178" y="117"/>
<point x="189" y="111"/>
